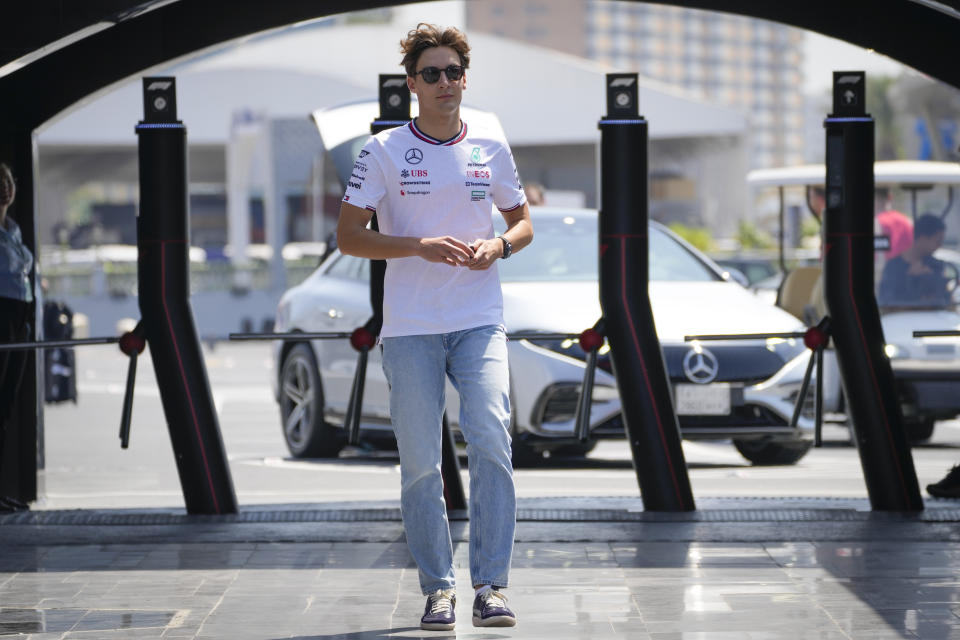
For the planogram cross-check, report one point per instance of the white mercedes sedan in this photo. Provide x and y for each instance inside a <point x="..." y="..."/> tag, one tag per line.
<point x="741" y="390"/>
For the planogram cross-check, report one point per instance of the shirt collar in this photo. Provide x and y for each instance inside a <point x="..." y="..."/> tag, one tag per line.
<point x="431" y="140"/>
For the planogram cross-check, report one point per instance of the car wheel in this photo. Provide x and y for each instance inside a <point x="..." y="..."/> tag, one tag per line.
<point x="301" y="408"/>
<point x="919" y="430"/>
<point x="770" y="451"/>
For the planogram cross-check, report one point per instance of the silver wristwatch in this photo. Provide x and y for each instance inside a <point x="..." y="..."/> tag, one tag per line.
<point x="507" y="248"/>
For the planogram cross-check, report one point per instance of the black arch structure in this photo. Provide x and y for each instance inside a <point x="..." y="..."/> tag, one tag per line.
<point x="62" y="51"/>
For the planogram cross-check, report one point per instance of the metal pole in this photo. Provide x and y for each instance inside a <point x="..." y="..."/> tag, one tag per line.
<point x="818" y="399"/>
<point x="127" y="411"/>
<point x="355" y="404"/>
<point x="585" y="399"/>
<point x="50" y="344"/>
<point x="870" y="390"/>
<point x="645" y="391"/>
<point x="163" y="278"/>
<point x="783" y="222"/>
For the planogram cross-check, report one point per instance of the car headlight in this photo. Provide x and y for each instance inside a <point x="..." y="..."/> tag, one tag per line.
<point x="895" y="351"/>
<point x="786" y="348"/>
<point x="570" y="347"/>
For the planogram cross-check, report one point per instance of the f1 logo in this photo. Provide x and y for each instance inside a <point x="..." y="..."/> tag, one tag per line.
<point x="622" y="98"/>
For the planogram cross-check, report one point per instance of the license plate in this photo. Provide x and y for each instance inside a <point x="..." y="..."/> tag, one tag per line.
<point x="702" y="399"/>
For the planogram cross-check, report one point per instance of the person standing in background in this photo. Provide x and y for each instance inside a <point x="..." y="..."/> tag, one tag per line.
<point x="16" y="296"/>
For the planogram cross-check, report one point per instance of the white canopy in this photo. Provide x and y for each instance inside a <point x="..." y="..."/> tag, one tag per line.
<point x="542" y="97"/>
<point x="885" y="172"/>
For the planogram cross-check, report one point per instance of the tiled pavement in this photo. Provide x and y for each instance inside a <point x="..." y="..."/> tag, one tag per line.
<point x="704" y="577"/>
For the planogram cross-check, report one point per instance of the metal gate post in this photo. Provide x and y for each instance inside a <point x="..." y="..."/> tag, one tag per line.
<point x="163" y="241"/>
<point x="645" y="392"/>
<point x="869" y="388"/>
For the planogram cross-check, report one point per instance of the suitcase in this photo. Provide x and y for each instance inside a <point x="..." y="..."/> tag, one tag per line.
<point x="60" y="371"/>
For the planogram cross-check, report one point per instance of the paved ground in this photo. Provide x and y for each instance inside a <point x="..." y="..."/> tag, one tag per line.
<point x="318" y="551"/>
<point x="843" y="577"/>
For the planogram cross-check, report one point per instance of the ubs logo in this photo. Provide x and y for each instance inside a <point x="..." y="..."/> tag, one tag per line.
<point x="413" y="156"/>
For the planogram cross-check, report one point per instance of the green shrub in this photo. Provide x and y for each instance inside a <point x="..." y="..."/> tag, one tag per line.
<point x="699" y="237"/>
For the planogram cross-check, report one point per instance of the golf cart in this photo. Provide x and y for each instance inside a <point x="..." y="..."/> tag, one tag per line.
<point x="926" y="370"/>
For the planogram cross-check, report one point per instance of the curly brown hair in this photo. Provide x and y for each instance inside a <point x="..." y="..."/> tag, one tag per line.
<point x="430" y="35"/>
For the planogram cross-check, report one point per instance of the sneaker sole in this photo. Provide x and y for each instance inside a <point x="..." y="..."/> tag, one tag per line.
<point x="437" y="626"/>
<point x="495" y="621"/>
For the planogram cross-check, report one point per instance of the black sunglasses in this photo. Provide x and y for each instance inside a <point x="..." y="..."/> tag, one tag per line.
<point x="432" y="74"/>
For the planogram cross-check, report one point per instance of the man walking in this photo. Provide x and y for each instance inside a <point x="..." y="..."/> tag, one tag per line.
<point x="433" y="185"/>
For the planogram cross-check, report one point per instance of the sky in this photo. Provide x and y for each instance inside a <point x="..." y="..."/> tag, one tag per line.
<point x="823" y="55"/>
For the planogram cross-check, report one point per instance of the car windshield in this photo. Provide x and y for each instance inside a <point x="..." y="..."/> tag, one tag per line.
<point x="565" y="249"/>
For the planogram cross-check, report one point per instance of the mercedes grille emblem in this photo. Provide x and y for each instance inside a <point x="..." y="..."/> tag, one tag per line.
<point x="413" y="156"/>
<point x="700" y="366"/>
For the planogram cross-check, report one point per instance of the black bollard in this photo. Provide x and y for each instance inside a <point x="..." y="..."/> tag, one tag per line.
<point x="394" y="98"/>
<point x="645" y="392"/>
<point x="869" y="388"/>
<point x="163" y="242"/>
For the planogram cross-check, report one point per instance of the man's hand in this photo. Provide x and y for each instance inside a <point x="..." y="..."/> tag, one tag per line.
<point x="445" y="249"/>
<point x="485" y="253"/>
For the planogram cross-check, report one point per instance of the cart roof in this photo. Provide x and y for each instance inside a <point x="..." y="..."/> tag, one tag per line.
<point x="887" y="172"/>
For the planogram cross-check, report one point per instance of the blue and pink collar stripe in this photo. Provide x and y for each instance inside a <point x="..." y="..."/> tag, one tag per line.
<point x="431" y="140"/>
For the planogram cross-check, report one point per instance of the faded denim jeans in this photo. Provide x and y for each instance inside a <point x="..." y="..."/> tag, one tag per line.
<point x="416" y="368"/>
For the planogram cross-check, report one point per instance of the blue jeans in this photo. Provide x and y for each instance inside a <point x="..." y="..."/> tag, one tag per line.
<point x="416" y="368"/>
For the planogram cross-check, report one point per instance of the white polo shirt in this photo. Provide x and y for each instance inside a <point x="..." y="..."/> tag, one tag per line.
<point x="423" y="187"/>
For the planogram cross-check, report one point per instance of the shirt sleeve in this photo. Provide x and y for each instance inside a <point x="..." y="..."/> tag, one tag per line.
<point x="366" y="186"/>
<point x="508" y="195"/>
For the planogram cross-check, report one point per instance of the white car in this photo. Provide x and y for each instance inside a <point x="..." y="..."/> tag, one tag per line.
<point x="743" y="390"/>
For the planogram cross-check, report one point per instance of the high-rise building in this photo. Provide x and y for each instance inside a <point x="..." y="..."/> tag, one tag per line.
<point x="750" y="64"/>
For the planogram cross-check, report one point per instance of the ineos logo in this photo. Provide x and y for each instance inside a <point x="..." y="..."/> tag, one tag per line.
<point x="413" y="156"/>
<point x="700" y="366"/>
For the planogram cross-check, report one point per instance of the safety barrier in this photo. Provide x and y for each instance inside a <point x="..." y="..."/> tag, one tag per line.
<point x="132" y="343"/>
<point x="362" y="340"/>
<point x="944" y="333"/>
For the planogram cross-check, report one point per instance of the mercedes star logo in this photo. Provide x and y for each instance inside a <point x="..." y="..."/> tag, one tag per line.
<point x="700" y="366"/>
<point x="413" y="156"/>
